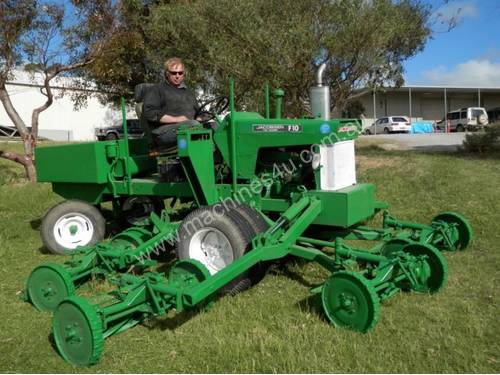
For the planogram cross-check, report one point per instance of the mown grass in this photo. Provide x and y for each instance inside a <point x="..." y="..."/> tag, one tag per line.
<point x="274" y="327"/>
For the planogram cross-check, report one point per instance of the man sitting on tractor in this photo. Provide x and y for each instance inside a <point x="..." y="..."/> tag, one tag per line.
<point x="169" y="104"/>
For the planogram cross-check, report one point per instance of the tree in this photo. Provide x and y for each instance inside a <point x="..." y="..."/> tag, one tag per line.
<point x="270" y="41"/>
<point x="50" y="40"/>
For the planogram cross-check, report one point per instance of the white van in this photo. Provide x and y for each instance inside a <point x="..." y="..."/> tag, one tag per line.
<point x="471" y="118"/>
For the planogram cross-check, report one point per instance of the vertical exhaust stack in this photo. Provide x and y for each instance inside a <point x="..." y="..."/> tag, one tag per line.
<point x="320" y="96"/>
<point x="335" y="157"/>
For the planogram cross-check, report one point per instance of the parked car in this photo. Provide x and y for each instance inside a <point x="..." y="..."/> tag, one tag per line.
<point x="390" y="124"/>
<point x="116" y="131"/>
<point x="472" y="118"/>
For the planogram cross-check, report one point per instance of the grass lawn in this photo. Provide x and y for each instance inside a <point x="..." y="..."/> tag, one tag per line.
<point x="270" y="328"/>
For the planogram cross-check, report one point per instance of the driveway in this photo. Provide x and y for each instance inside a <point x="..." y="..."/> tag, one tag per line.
<point x="424" y="142"/>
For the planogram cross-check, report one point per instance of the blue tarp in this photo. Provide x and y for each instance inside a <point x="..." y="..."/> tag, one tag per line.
<point x="420" y="127"/>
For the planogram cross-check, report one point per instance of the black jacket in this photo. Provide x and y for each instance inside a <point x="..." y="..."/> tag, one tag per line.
<point x="165" y="99"/>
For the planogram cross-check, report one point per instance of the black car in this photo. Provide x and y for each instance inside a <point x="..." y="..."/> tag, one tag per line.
<point x="114" y="132"/>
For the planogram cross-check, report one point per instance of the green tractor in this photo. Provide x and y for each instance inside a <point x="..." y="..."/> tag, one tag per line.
<point x="230" y="199"/>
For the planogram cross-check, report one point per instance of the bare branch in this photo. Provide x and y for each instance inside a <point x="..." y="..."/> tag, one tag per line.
<point x="12" y="156"/>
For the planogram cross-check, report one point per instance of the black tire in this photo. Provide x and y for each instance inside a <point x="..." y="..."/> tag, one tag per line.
<point x="460" y="128"/>
<point x="111" y="136"/>
<point x="368" y="132"/>
<point x="259" y="225"/>
<point x="386" y="130"/>
<point x="255" y="219"/>
<point x="144" y="206"/>
<point x="236" y="229"/>
<point x="53" y="228"/>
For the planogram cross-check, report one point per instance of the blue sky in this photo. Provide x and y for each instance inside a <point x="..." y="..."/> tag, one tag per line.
<point x="468" y="55"/>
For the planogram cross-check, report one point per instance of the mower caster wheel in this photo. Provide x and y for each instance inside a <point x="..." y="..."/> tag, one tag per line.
<point x="431" y="273"/>
<point x="49" y="284"/>
<point x="71" y="224"/>
<point x="460" y="232"/>
<point x="350" y="301"/>
<point x="78" y="331"/>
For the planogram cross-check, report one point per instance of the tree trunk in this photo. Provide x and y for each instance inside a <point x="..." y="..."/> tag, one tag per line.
<point x="29" y="167"/>
<point x="29" y="146"/>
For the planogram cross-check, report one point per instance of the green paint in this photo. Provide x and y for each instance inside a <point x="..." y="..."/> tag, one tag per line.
<point x="304" y="222"/>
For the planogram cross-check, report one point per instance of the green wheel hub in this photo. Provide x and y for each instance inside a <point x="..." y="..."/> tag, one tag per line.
<point x="350" y="301"/>
<point x="431" y="271"/>
<point x="460" y="231"/>
<point x="188" y="272"/>
<point x="394" y="245"/>
<point x="77" y="331"/>
<point x="49" y="284"/>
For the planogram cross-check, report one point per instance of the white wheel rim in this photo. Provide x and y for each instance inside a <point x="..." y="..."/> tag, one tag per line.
<point x="212" y="248"/>
<point x="73" y="230"/>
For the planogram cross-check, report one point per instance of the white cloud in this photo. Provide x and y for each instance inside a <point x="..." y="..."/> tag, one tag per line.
<point x="474" y="73"/>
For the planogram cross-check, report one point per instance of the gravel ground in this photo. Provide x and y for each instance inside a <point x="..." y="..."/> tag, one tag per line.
<point x="424" y="142"/>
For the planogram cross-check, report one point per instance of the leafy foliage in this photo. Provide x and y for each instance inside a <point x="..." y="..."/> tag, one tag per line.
<point x="484" y="143"/>
<point x="50" y="39"/>
<point x="267" y="41"/>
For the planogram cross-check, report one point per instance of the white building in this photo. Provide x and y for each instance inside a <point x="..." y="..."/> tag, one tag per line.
<point x="60" y="121"/>
<point x="428" y="103"/>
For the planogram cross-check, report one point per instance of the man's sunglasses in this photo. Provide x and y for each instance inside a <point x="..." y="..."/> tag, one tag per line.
<point x="175" y="73"/>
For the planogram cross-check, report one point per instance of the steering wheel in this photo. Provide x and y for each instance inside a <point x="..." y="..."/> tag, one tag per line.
<point x="208" y="110"/>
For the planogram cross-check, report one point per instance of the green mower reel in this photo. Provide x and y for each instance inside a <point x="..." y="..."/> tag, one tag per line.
<point x="78" y="331"/>
<point x="448" y="231"/>
<point x="49" y="284"/>
<point x="352" y="300"/>
<point x="454" y="231"/>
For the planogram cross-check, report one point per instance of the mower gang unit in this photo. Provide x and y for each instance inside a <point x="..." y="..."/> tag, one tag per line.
<point x="241" y="192"/>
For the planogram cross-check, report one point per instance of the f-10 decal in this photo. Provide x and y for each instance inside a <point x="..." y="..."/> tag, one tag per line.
<point x="276" y="128"/>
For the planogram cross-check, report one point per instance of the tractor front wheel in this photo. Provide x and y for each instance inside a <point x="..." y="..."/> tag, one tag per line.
<point x="71" y="224"/>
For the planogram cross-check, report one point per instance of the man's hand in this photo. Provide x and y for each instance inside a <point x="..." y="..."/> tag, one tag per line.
<point x="167" y="119"/>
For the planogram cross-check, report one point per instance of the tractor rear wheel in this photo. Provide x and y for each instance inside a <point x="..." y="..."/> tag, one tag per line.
<point x="216" y="236"/>
<point x="70" y="224"/>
